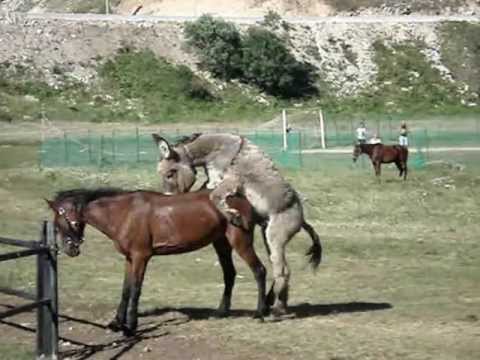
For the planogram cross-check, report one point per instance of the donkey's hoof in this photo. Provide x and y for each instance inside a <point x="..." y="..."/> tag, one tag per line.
<point x="278" y="311"/>
<point x="115" y="326"/>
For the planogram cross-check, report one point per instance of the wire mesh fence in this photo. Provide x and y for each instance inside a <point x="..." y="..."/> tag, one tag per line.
<point x="136" y="148"/>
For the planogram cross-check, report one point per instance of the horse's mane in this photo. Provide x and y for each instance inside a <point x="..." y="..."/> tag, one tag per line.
<point x="187" y="139"/>
<point x="82" y="197"/>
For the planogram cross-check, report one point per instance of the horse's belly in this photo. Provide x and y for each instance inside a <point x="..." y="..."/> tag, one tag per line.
<point x="179" y="248"/>
<point x="173" y="237"/>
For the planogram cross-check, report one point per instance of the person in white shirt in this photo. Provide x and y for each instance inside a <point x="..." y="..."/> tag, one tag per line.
<point x="361" y="133"/>
<point x="403" y="138"/>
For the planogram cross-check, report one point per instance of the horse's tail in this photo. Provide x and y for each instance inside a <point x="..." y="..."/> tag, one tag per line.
<point x="315" y="250"/>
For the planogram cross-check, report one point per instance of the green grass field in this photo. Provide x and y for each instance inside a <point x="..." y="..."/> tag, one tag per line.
<point x="399" y="280"/>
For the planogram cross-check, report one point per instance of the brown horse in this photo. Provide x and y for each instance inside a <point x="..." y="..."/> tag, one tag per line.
<point x="145" y="223"/>
<point x="379" y="153"/>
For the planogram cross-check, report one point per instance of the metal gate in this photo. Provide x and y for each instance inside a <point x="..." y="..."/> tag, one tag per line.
<point x="45" y="300"/>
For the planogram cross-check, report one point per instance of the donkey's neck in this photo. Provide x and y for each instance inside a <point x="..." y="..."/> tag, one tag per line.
<point x="210" y="148"/>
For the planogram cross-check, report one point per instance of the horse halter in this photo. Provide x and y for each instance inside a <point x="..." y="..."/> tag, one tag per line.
<point x="72" y="225"/>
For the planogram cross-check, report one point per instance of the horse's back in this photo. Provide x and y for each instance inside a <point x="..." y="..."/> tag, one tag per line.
<point x="186" y="222"/>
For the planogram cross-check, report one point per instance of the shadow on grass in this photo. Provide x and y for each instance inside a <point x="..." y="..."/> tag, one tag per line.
<point x="304" y="310"/>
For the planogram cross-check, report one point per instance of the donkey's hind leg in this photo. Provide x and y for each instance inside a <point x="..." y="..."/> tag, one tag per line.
<point x="271" y="294"/>
<point x="224" y="253"/>
<point x="281" y="228"/>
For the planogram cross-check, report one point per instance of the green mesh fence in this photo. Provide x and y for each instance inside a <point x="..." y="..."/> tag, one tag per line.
<point x="135" y="149"/>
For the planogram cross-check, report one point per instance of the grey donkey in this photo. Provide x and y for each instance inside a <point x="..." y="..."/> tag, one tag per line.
<point x="234" y="165"/>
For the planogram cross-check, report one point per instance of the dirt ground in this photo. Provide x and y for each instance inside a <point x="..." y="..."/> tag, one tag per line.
<point x="162" y="333"/>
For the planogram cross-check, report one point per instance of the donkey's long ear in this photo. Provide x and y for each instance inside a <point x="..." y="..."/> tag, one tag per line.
<point x="165" y="149"/>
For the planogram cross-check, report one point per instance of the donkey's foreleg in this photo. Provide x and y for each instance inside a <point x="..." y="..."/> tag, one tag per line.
<point x="138" y="266"/>
<point x="118" y="323"/>
<point x="224" y="253"/>
<point x="228" y="187"/>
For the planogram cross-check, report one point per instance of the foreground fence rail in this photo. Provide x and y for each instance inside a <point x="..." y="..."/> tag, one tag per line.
<point x="46" y="298"/>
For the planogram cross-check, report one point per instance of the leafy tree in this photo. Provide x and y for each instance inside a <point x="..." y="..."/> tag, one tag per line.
<point x="268" y="63"/>
<point x="219" y="46"/>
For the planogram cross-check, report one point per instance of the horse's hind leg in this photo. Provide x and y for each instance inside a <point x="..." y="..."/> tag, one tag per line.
<point x="224" y="253"/>
<point x="242" y="242"/>
<point x="399" y="167"/>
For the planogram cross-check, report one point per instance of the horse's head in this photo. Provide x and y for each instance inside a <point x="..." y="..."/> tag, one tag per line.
<point x="69" y="223"/>
<point x="357" y="151"/>
<point x="175" y="167"/>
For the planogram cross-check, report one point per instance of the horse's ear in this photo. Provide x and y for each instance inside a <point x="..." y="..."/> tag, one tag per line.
<point x="165" y="149"/>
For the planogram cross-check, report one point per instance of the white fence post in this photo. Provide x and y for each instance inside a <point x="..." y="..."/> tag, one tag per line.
<point x="284" y="121"/>
<point x="322" y="128"/>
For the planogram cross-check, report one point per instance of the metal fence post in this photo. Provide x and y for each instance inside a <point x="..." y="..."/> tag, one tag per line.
<point x="65" y="141"/>
<point x="89" y="146"/>
<point x="113" y="147"/>
<point x="47" y="314"/>
<point x="101" y="158"/>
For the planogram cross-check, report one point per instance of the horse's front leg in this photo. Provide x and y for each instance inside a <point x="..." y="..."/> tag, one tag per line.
<point x="118" y="323"/>
<point x="138" y="265"/>
<point x="378" y="168"/>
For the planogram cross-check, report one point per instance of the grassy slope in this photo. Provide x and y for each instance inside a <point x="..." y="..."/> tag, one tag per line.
<point x="412" y="245"/>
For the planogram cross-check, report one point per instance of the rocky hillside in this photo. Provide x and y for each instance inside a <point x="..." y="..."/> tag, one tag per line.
<point x="250" y="7"/>
<point x="383" y="66"/>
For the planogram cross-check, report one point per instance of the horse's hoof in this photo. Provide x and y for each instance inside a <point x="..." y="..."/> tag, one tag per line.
<point x="259" y="317"/>
<point x="115" y="326"/>
<point x="127" y="332"/>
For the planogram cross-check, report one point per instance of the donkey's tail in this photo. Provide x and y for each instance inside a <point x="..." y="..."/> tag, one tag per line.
<point x="315" y="250"/>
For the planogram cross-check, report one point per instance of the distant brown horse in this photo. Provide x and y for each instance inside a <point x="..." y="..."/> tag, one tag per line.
<point x="379" y="153"/>
<point x="144" y="223"/>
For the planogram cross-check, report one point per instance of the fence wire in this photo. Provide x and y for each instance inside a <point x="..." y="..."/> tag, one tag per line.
<point x="136" y="147"/>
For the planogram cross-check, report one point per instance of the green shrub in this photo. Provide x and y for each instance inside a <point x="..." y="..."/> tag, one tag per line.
<point x="219" y="45"/>
<point x="268" y="64"/>
<point x="140" y="74"/>
<point x="259" y="58"/>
